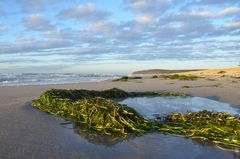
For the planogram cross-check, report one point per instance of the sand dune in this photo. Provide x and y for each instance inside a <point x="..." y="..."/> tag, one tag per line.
<point x="216" y="72"/>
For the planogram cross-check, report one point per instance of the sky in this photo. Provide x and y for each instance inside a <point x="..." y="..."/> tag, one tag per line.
<point x="118" y="36"/>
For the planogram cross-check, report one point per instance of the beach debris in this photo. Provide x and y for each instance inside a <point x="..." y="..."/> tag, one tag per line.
<point x="126" y="78"/>
<point x="155" y="76"/>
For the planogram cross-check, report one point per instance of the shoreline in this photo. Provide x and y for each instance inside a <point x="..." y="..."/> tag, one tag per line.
<point x="221" y="89"/>
<point x="43" y="84"/>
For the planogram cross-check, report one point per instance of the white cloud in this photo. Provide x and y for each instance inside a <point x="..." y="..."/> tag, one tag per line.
<point x="37" y="22"/>
<point x="33" y="46"/>
<point x="233" y="25"/>
<point x="3" y="28"/>
<point x="35" y="5"/>
<point x="155" y="29"/>
<point x="140" y="4"/>
<point x="147" y="19"/>
<point x="87" y="13"/>
<point x="99" y="25"/>
<point x="81" y="10"/>
<point x="218" y="2"/>
<point x="228" y="11"/>
<point x="210" y="14"/>
<point x="149" y="7"/>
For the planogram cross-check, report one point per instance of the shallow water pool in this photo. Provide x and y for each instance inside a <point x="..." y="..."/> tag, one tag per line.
<point x="151" y="107"/>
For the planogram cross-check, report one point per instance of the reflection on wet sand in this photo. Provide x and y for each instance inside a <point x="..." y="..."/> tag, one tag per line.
<point x="97" y="138"/>
<point x="154" y="145"/>
<point x="151" y="145"/>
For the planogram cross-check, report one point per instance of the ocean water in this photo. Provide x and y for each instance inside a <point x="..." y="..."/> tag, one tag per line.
<point x="11" y="79"/>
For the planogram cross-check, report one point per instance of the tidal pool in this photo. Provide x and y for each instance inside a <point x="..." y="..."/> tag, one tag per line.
<point x="156" y="145"/>
<point x="151" y="107"/>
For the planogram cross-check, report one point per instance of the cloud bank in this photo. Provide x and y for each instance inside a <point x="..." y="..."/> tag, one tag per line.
<point x="136" y="30"/>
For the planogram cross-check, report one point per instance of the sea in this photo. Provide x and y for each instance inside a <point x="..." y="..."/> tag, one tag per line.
<point x="17" y="79"/>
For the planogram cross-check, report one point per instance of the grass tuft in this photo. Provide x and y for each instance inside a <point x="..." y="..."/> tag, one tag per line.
<point x="221" y="72"/>
<point x="180" y="77"/>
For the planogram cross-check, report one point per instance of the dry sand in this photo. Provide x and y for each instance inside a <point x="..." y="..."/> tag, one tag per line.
<point x="26" y="132"/>
<point x="216" y="72"/>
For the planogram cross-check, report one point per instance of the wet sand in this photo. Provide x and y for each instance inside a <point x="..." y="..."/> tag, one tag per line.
<point x="29" y="133"/>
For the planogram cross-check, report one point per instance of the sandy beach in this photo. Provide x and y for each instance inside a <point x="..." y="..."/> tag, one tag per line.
<point x="125" y="79"/>
<point x="29" y="133"/>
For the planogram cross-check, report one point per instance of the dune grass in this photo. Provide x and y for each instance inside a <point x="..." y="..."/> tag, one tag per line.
<point x="180" y="77"/>
<point x="96" y="111"/>
<point x="237" y="77"/>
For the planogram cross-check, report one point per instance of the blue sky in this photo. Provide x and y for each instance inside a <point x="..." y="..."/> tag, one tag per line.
<point x="118" y="36"/>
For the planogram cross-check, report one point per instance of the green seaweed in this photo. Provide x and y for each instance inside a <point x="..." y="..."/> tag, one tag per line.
<point x="220" y="128"/>
<point x="180" y="77"/>
<point x="98" y="112"/>
<point x="219" y="85"/>
<point x="126" y="78"/>
<point x="93" y="110"/>
<point x="109" y="94"/>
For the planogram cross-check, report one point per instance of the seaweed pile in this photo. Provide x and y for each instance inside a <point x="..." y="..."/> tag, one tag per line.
<point x="180" y="77"/>
<point x="220" y="128"/>
<point x="97" y="111"/>
<point x="155" y="76"/>
<point x="126" y="78"/>
<point x="94" y="109"/>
